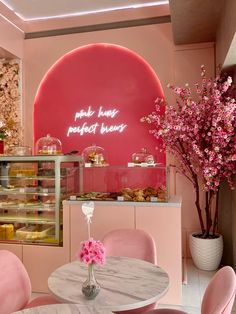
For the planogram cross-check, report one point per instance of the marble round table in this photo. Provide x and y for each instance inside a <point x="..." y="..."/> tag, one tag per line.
<point x="63" y="309"/>
<point x="126" y="283"/>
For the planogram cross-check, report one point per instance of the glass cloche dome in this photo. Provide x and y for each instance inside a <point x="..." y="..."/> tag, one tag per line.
<point x="94" y="156"/>
<point x="143" y="157"/>
<point x="48" y="145"/>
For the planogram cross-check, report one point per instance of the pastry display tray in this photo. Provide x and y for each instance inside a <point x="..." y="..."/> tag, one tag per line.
<point x="34" y="232"/>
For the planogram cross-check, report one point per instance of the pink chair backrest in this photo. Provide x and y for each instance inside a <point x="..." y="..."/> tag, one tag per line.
<point x="130" y="243"/>
<point x="220" y="292"/>
<point x="15" y="284"/>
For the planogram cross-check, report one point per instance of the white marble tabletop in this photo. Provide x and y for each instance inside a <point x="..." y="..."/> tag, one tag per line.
<point x="126" y="284"/>
<point x="63" y="309"/>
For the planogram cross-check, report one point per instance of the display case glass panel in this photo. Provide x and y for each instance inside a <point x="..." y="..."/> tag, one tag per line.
<point x="31" y="194"/>
<point x="121" y="183"/>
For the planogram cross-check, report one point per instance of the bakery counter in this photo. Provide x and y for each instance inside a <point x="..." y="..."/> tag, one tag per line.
<point x="161" y="219"/>
<point x="173" y="202"/>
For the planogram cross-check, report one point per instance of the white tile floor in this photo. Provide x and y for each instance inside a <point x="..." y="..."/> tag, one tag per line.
<point x="193" y="291"/>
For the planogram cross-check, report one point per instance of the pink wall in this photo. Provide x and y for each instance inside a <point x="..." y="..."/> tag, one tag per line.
<point x="155" y="44"/>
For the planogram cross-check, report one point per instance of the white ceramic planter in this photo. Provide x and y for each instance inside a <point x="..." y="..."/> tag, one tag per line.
<point x="206" y="253"/>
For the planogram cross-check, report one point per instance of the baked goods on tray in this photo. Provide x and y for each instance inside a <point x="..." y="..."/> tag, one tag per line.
<point x="147" y="194"/>
<point x="36" y="232"/>
<point x="6" y="232"/>
<point x="97" y="196"/>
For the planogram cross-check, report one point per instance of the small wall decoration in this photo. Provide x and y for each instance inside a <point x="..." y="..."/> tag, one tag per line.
<point x="97" y="94"/>
<point x="10" y="105"/>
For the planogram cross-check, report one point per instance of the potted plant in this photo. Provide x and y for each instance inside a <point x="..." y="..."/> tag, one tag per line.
<point x="201" y="134"/>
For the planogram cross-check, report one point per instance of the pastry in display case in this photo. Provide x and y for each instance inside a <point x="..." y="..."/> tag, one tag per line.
<point x="121" y="183"/>
<point x="35" y="232"/>
<point x="31" y="193"/>
<point x="48" y="145"/>
<point x="6" y="231"/>
<point x="94" y="156"/>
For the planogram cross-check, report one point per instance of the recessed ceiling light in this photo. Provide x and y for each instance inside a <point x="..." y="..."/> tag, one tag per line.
<point x="84" y="12"/>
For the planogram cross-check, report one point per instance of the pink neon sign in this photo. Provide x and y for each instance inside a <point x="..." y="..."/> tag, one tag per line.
<point x="97" y="127"/>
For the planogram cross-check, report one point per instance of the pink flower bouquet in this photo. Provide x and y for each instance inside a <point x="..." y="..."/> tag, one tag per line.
<point x="92" y="252"/>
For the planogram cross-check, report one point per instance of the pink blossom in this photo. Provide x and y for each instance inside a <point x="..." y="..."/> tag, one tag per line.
<point x="92" y="252"/>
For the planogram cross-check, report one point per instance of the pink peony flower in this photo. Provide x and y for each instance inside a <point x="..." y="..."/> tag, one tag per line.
<point x="92" y="252"/>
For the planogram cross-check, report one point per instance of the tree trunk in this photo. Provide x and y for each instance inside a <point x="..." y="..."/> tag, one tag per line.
<point x="215" y="221"/>
<point x="208" y="202"/>
<point x="199" y="211"/>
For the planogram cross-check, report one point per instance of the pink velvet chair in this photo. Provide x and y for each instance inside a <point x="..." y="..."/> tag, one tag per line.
<point x="15" y="286"/>
<point x="218" y="297"/>
<point x="131" y="243"/>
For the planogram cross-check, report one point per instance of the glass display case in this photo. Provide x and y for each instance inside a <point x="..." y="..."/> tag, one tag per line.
<point x="31" y="192"/>
<point x="121" y="183"/>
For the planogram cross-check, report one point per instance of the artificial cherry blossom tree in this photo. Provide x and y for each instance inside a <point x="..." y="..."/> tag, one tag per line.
<point x="201" y="134"/>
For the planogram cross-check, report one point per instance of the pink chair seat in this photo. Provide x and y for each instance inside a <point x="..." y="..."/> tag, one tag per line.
<point x="15" y="285"/>
<point x="218" y="297"/>
<point x="220" y="293"/>
<point x="131" y="243"/>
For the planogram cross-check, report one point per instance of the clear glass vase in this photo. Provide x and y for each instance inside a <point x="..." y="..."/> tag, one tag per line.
<point x="90" y="287"/>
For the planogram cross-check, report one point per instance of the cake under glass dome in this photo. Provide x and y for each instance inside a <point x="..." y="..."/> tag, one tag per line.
<point x="48" y="145"/>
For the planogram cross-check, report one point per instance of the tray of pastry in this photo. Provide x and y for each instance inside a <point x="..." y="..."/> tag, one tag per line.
<point x="19" y="204"/>
<point x="35" y="232"/>
<point x="148" y="194"/>
<point x="96" y="196"/>
<point x="6" y="232"/>
<point x="27" y="220"/>
<point x="11" y="189"/>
